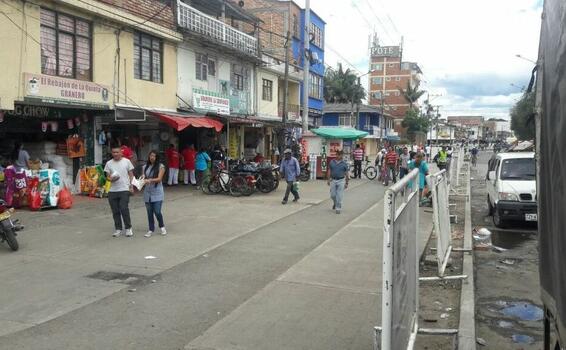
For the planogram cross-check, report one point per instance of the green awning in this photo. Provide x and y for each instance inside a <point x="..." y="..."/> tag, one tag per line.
<point x="340" y="133"/>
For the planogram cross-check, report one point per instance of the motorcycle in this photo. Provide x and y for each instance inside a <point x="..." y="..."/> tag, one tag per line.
<point x="305" y="174"/>
<point x="9" y="228"/>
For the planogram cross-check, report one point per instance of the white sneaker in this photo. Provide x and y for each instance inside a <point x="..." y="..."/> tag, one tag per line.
<point x="148" y="234"/>
<point x="129" y="232"/>
<point x="117" y="233"/>
<point x="163" y="231"/>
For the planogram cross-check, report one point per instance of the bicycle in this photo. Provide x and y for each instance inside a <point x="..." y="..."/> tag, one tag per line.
<point x="369" y="170"/>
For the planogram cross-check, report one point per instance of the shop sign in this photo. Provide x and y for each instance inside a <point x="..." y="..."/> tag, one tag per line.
<point x="233" y="144"/>
<point x="61" y="91"/>
<point x="386" y="51"/>
<point x="32" y="111"/>
<point x="323" y="164"/>
<point x="211" y="102"/>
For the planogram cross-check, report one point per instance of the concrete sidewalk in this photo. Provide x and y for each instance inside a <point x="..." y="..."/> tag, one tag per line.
<point x="331" y="299"/>
<point x="48" y="276"/>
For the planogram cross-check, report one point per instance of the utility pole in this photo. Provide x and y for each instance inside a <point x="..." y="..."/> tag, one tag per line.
<point x="357" y="106"/>
<point x="286" y="84"/>
<point x="306" y="65"/>
<point x="437" y="118"/>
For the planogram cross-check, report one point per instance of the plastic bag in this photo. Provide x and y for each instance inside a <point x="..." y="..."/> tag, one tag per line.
<point x="34" y="200"/>
<point x="65" y="199"/>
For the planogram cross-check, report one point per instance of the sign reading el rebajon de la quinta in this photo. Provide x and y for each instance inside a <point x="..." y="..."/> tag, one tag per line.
<point x="62" y="91"/>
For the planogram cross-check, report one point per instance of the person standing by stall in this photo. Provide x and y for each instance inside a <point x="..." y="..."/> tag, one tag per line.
<point x="20" y="157"/>
<point x="173" y="162"/>
<point x="358" y="155"/>
<point x="404" y="160"/>
<point x="120" y="171"/>
<point x="189" y="155"/>
<point x="153" y="193"/>
<point x="338" y="179"/>
<point x="201" y="164"/>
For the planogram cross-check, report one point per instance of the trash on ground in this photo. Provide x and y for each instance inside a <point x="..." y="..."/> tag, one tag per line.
<point x="150" y="257"/>
<point x="507" y="261"/>
<point x="153" y="281"/>
<point x="448" y="309"/>
<point x="430" y="320"/>
<point x="481" y="341"/>
<point x="499" y="249"/>
<point x="132" y="290"/>
<point x="444" y="316"/>
<point x="522" y="339"/>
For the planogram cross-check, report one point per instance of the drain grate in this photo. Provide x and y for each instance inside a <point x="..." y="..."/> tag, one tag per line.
<point x="126" y="278"/>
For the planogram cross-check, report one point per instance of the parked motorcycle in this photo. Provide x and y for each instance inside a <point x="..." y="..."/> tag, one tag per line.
<point x="305" y="174"/>
<point x="8" y="228"/>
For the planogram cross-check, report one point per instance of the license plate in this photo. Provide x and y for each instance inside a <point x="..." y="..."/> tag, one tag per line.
<point x="531" y="217"/>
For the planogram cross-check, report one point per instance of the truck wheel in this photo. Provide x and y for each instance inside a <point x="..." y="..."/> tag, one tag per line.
<point x="497" y="220"/>
<point x="489" y="206"/>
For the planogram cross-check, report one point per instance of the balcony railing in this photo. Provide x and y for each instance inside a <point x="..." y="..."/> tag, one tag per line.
<point x="215" y="30"/>
<point x="293" y="111"/>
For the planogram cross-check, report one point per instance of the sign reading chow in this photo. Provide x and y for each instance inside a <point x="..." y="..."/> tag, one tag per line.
<point x="56" y="90"/>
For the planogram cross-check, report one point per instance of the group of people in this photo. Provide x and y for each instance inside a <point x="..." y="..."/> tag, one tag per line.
<point x="194" y="164"/>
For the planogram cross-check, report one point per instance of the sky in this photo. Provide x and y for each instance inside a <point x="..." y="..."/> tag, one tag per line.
<point x="466" y="49"/>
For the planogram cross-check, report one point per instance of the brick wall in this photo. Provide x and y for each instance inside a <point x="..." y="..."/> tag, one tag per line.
<point x="163" y="16"/>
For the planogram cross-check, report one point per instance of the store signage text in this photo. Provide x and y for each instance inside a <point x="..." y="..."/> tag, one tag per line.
<point x="211" y="103"/>
<point x="29" y="111"/>
<point x="386" y="51"/>
<point x="57" y="90"/>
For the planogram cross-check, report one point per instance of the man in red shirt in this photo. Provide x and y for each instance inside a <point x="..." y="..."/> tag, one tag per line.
<point x="189" y="154"/>
<point x="358" y="155"/>
<point x="391" y="160"/>
<point x="173" y="160"/>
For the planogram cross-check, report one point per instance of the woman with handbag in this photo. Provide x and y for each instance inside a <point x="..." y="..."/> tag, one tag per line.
<point x="153" y="193"/>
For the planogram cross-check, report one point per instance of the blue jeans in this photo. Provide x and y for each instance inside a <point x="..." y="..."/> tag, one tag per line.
<point x="154" y="208"/>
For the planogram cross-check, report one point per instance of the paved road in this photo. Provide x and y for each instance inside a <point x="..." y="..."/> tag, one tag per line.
<point x="194" y="292"/>
<point x="507" y="283"/>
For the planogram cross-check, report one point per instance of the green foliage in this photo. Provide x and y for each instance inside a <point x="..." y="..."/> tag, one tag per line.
<point x="412" y="93"/>
<point x="341" y="86"/>
<point x="522" y="117"/>
<point x="414" y="122"/>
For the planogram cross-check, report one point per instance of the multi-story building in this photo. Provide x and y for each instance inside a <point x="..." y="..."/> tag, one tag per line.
<point x="473" y="126"/>
<point x="85" y="69"/>
<point x="278" y="18"/>
<point x="389" y="77"/>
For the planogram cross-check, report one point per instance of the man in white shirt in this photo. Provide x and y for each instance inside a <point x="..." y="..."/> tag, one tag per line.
<point x="120" y="172"/>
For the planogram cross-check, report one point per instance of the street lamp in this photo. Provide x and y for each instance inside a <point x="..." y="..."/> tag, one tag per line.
<point x="526" y="59"/>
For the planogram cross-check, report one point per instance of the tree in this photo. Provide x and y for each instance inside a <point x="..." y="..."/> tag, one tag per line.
<point x="414" y="122"/>
<point x="412" y="93"/>
<point x="522" y="117"/>
<point x="341" y="86"/>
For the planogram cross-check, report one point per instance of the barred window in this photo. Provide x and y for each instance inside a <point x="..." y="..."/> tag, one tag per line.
<point x="148" y="58"/>
<point x="316" y="86"/>
<point x="66" y="45"/>
<point x="316" y="35"/>
<point x="267" y="92"/>
<point x="239" y="79"/>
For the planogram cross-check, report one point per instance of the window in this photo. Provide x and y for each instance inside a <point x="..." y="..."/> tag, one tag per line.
<point x="377" y="94"/>
<point x="345" y="120"/>
<point x="376" y="66"/>
<point x="295" y="26"/>
<point x="66" y="44"/>
<point x="391" y="65"/>
<point x="368" y="122"/>
<point x="239" y="79"/>
<point x="397" y="93"/>
<point x="377" y="80"/>
<point x="406" y="66"/>
<point x="388" y="79"/>
<point x="386" y="93"/>
<point x="148" y="53"/>
<point x="316" y="86"/>
<point x="316" y="35"/>
<point x="267" y="92"/>
<point x="201" y="66"/>
<point x="211" y="67"/>
<point x="397" y="78"/>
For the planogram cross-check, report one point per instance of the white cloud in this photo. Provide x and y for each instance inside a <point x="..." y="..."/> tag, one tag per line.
<point x="455" y="42"/>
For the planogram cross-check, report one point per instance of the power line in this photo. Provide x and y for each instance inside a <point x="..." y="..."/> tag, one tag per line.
<point x="389" y="17"/>
<point x="342" y="57"/>
<point x="379" y="20"/>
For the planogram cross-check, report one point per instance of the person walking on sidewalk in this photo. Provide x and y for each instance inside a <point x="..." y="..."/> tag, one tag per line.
<point x="201" y="164"/>
<point x="404" y="160"/>
<point x="120" y="171"/>
<point x="358" y="158"/>
<point x="391" y="162"/>
<point x="189" y="154"/>
<point x="290" y="171"/>
<point x="153" y="193"/>
<point x="173" y="162"/>
<point x="338" y="179"/>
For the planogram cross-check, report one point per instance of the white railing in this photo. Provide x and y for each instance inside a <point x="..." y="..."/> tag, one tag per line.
<point x="207" y="26"/>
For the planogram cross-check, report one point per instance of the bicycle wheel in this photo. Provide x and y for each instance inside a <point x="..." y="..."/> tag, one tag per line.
<point x="370" y="172"/>
<point x="238" y="186"/>
<point x="214" y="186"/>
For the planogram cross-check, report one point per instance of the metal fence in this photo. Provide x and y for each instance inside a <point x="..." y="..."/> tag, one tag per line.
<point x="400" y="292"/>
<point x="438" y="183"/>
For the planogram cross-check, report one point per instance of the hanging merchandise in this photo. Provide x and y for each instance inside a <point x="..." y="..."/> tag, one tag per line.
<point x="54" y="126"/>
<point x="102" y="138"/>
<point x="77" y="122"/>
<point x="49" y="186"/>
<point x="76" y="147"/>
<point x="44" y="126"/>
<point x="70" y="124"/>
<point x="85" y="117"/>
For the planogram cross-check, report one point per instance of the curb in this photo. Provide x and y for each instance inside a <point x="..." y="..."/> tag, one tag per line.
<point x="467" y="325"/>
